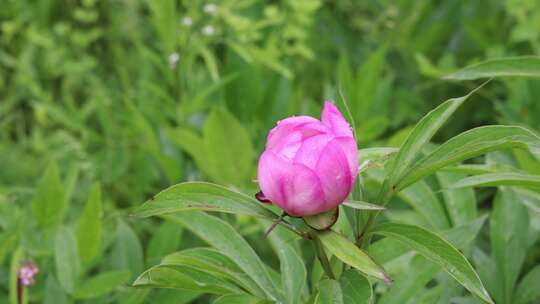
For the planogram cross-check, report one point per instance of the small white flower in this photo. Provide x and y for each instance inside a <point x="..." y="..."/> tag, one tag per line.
<point x="210" y="8"/>
<point x="208" y="30"/>
<point x="173" y="60"/>
<point x="187" y="21"/>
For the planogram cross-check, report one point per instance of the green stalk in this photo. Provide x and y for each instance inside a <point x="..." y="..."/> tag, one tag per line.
<point x="321" y="255"/>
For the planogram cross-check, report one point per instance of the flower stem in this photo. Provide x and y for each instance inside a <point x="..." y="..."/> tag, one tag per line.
<point x="321" y="255"/>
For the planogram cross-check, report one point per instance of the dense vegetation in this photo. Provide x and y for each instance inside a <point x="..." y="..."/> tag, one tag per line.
<point x="105" y="103"/>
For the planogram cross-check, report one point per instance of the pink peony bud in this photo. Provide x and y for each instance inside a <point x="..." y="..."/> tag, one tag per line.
<point x="309" y="166"/>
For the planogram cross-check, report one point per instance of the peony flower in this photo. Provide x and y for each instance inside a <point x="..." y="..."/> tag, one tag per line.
<point x="309" y="166"/>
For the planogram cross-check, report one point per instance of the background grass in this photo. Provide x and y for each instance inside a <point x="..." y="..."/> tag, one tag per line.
<point x="134" y="96"/>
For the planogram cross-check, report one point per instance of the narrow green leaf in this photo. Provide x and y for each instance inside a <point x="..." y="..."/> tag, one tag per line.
<point x="184" y="278"/>
<point x="462" y="236"/>
<point x="16" y="259"/>
<point x="498" y="179"/>
<point x="292" y="267"/>
<point x="527" y="290"/>
<point x="509" y="228"/>
<point x="525" y="66"/>
<point x="229" y="148"/>
<point x="460" y="203"/>
<point x="435" y="248"/>
<point x="376" y="153"/>
<point x="351" y="255"/>
<point x="470" y="144"/>
<point x="422" y="199"/>
<point x="165" y="240"/>
<point x="49" y="202"/>
<point x="359" y="205"/>
<point x="223" y="237"/>
<point x="409" y="284"/>
<point x="239" y="299"/>
<point x="529" y="198"/>
<point x="89" y="228"/>
<point x="329" y="292"/>
<point x="471" y="169"/>
<point x="420" y="135"/>
<point x="194" y="145"/>
<point x="101" y="284"/>
<point x="203" y="196"/>
<point x="356" y="288"/>
<point x="54" y="294"/>
<point x="213" y="262"/>
<point x="66" y="259"/>
<point x="127" y="251"/>
<point x="211" y="63"/>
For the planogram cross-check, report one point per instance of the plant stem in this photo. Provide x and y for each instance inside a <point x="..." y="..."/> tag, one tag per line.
<point x="384" y="197"/>
<point x="323" y="259"/>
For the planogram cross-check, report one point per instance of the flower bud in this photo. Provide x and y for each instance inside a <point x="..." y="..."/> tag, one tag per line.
<point x="309" y="166"/>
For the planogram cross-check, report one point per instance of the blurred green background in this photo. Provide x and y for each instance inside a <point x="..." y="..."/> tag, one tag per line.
<point x="104" y="103"/>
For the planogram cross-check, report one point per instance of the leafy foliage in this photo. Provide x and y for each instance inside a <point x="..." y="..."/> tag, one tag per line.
<point x="106" y="103"/>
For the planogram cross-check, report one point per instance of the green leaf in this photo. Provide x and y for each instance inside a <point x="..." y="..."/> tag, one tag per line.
<point x="127" y="251"/>
<point x="49" y="203"/>
<point x="527" y="290"/>
<point x="16" y="259"/>
<point x="359" y="205"/>
<point x="525" y="66"/>
<point x="89" y="228"/>
<point x="470" y="144"/>
<point x="498" y="179"/>
<point x="460" y="203"/>
<point x="529" y="198"/>
<point x="509" y="227"/>
<point x="229" y="147"/>
<point x="435" y="248"/>
<point x="351" y="255"/>
<point x="213" y="262"/>
<point x="292" y="268"/>
<point x="420" y="135"/>
<point x="356" y="288"/>
<point x="329" y="292"/>
<point x="101" y="284"/>
<point x="211" y="63"/>
<point x="462" y="236"/>
<point x="376" y="154"/>
<point x="165" y="240"/>
<point x="184" y="278"/>
<point x="66" y="259"/>
<point x="54" y="294"/>
<point x="203" y="196"/>
<point x="409" y="284"/>
<point x="223" y="237"/>
<point x="471" y="169"/>
<point x="194" y="145"/>
<point x="422" y="199"/>
<point x="239" y="299"/>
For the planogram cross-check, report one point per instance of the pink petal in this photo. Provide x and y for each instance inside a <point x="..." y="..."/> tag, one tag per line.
<point x="286" y="126"/>
<point x="273" y="171"/>
<point x="293" y="187"/>
<point x="303" y="192"/>
<point x="334" y="173"/>
<point x="288" y="145"/>
<point x="332" y="118"/>
<point x="311" y="149"/>
<point x="349" y="147"/>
